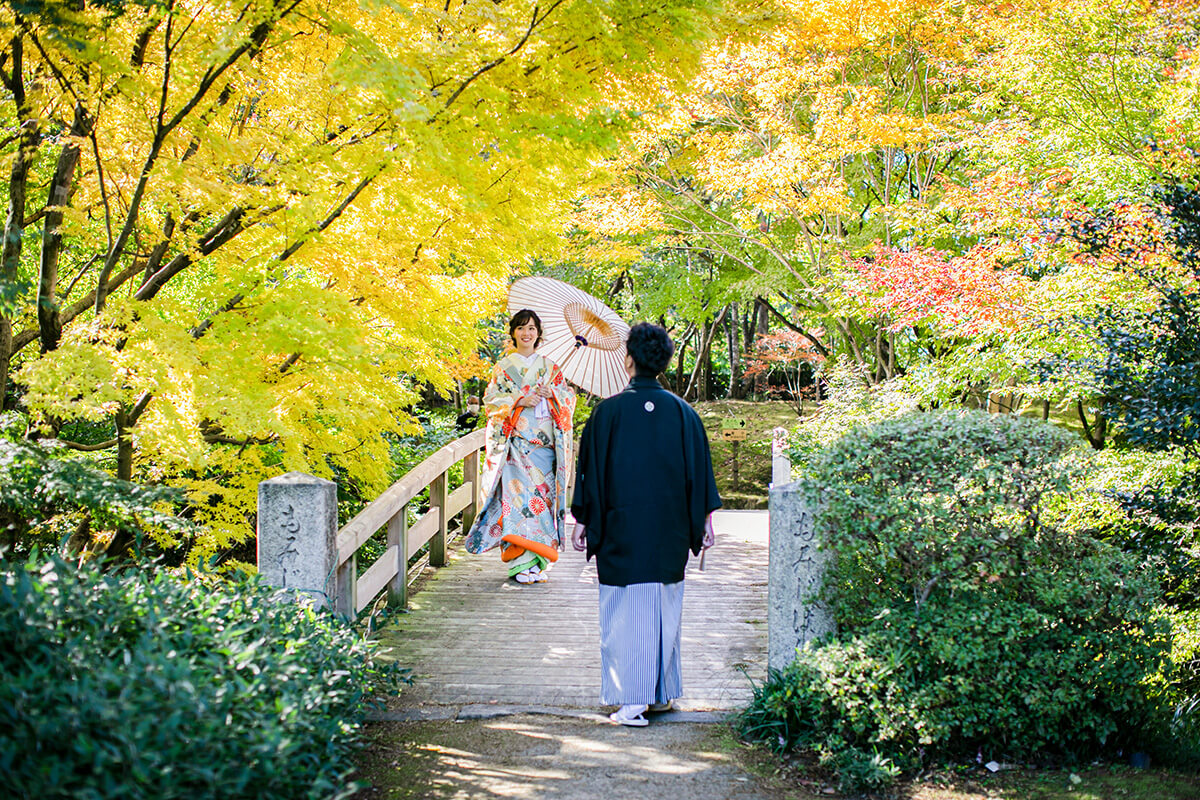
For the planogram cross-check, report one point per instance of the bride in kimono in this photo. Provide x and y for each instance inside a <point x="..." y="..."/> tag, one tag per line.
<point x="529" y="407"/>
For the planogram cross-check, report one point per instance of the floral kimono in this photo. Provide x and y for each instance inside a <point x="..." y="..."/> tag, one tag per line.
<point x="528" y="463"/>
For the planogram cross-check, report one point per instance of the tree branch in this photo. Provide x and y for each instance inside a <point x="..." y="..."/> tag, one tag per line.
<point x="466" y="82"/>
<point x="131" y="416"/>
<point x="226" y="229"/>
<point x="85" y="448"/>
<point x="793" y="326"/>
<point x="252" y="44"/>
<point x="75" y="309"/>
<point x="223" y="438"/>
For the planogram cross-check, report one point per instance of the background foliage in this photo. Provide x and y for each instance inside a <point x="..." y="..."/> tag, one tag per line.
<point x="242" y="240"/>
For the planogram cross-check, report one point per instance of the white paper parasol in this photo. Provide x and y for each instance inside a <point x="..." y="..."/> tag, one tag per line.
<point x="584" y="337"/>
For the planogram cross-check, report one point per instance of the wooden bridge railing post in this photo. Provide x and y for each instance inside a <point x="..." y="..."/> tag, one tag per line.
<point x="300" y="546"/>
<point x="346" y="601"/>
<point x="397" y="536"/>
<point x="438" y="496"/>
<point x="471" y="476"/>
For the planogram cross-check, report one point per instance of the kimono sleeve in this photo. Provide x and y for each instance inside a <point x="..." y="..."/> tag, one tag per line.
<point x="587" y="504"/>
<point x="500" y="395"/>
<point x="703" y="497"/>
<point x="563" y="400"/>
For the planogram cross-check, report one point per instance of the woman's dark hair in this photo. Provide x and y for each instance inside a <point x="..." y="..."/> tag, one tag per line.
<point x="650" y="347"/>
<point x="523" y="317"/>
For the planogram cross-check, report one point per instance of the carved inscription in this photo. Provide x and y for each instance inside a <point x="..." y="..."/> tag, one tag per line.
<point x="808" y="578"/>
<point x="797" y="575"/>
<point x="290" y="553"/>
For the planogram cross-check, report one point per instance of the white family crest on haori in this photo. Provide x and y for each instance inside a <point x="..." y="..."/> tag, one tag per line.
<point x="583" y="336"/>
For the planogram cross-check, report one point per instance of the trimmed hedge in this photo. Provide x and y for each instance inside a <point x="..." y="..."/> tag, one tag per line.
<point x="968" y="624"/>
<point x="141" y="684"/>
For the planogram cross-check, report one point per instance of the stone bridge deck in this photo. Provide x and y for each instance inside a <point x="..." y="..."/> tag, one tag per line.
<point x="472" y="636"/>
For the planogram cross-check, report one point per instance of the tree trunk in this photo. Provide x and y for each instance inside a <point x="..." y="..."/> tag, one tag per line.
<point x="736" y="390"/>
<point x="124" y="446"/>
<point x="1004" y="402"/>
<point x="704" y="359"/>
<point x="683" y="343"/>
<point x="702" y="333"/>
<point x="708" y="388"/>
<point x="124" y="539"/>
<point x="762" y="326"/>
<point x="1095" y="433"/>
<point x="61" y="188"/>
<point x="14" y="225"/>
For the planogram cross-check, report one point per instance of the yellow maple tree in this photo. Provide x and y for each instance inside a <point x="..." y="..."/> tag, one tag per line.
<point x="239" y="236"/>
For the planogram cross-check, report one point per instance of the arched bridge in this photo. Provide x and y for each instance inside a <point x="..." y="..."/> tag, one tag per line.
<point x="474" y="638"/>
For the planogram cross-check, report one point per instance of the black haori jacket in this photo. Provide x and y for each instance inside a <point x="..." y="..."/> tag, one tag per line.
<point x="644" y="485"/>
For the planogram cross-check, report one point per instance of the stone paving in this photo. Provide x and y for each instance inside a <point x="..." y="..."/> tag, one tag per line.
<point x="482" y="645"/>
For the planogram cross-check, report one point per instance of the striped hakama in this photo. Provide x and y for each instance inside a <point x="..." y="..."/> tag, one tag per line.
<point x="639" y="643"/>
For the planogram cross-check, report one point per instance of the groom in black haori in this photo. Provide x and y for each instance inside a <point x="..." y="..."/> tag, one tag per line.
<point x="644" y="493"/>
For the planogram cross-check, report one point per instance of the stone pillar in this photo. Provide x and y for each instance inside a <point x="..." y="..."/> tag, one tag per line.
<point x="796" y="571"/>
<point x="297" y="534"/>
<point x="781" y="465"/>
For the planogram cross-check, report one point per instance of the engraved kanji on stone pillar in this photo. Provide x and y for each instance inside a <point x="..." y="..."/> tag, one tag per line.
<point x="297" y="533"/>
<point x="797" y="569"/>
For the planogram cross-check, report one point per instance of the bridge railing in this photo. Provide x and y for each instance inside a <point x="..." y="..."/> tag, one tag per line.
<point x="300" y="547"/>
<point x="390" y="570"/>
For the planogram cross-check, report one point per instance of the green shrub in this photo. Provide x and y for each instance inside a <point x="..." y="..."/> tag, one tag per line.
<point x="1144" y="502"/>
<point x="1176" y="736"/>
<point x="967" y="623"/>
<point x="1184" y="685"/>
<point x="937" y="500"/>
<point x="850" y="401"/>
<point x="146" y="685"/>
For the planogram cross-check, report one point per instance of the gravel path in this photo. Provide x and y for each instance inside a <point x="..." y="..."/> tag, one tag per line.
<point x="544" y="757"/>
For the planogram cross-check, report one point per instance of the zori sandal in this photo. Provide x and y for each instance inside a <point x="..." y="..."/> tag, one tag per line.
<point x="630" y="715"/>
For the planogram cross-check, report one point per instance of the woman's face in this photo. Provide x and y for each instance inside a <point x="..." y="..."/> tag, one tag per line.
<point x="526" y="335"/>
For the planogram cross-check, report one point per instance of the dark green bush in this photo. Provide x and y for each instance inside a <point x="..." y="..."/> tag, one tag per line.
<point x="1144" y="365"/>
<point x="1176" y="738"/>
<point x="145" y="685"/>
<point x="968" y="624"/>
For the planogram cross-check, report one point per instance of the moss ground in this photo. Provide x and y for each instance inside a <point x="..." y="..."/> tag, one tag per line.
<point x="797" y="779"/>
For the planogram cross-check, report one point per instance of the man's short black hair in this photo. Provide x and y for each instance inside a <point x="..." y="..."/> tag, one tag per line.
<point x="650" y="347"/>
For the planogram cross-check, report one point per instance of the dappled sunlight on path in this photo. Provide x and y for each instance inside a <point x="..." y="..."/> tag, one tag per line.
<point x="541" y="757"/>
